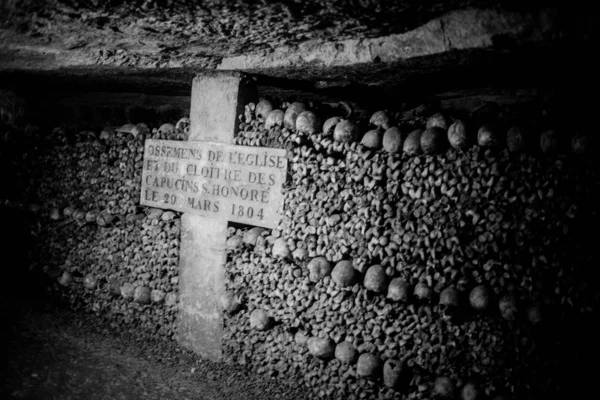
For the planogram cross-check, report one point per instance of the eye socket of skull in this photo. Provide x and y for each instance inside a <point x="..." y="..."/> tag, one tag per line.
<point x="448" y="313"/>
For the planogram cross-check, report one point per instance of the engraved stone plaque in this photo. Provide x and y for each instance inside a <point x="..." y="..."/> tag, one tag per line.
<point x="214" y="180"/>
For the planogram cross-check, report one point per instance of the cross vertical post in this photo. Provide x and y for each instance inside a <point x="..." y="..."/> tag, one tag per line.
<point x="217" y="100"/>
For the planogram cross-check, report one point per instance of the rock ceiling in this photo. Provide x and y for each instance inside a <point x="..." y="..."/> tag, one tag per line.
<point x="171" y="34"/>
<point x="345" y="47"/>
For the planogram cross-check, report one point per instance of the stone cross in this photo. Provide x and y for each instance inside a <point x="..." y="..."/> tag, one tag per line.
<point x="212" y="182"/>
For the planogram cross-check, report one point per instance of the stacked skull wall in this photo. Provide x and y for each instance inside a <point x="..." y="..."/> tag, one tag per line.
<point x="414" y="256"/>
<point x="105" y="254"/>
<point x="414" y="260"/>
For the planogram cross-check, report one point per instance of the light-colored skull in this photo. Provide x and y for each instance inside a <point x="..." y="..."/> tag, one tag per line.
<point x="107" y="133"/>
<point x="54" y="214"/>
<point x="183" y="125"/>
<point x="166" y="130"/>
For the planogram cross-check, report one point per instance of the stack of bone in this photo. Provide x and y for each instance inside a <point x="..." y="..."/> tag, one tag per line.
<point x="418" y="258"/>
<point x="412" y="262"/>
<point x="102" y="251"/>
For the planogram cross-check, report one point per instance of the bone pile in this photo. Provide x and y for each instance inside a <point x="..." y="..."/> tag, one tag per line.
<point x="415" y="258"/>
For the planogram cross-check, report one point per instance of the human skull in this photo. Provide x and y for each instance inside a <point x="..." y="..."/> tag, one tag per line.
<point x="54" y="214"/>
<point x="230" y="302"/>
<point x="166" y="130"/>
<point x="329" y="125"/>
<point x="308" y="122"/>
<point x="263" y="108"/>
<point x="107" y="133"/>
<point x="292" y="113"/>
<point x="78" y="215"/>
<point x="65" y="279"/>
<point x="157" y="296"/>
<point x="89" y="281"/>
<point x="380" y="119"/>
<point x="448" y="301"/>
<point x="183" y="126"/>
<point x="260" y="320"/>
<point x="91" y="216"/>
<point x="274" y="119"/>
<point x="345" y="131"/>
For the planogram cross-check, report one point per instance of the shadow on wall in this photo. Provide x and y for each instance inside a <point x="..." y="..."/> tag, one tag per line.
<point x="12" y="108"/>
<point x="22" y="286"/>
<point x="91" y="110"/>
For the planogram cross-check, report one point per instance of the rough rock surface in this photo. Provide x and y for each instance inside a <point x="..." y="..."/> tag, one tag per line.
<point x="462" y="29"/>
<point x="171" y="41"/>
<point x="152" y="33"/>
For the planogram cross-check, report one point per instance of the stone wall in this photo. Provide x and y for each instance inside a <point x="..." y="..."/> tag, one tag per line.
<point x="393" y="272"/>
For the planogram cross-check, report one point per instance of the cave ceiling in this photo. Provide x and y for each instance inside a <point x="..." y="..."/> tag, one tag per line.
<point x="342" y="48"/>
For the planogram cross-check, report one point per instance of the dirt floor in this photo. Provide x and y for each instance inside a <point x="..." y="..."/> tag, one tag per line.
<point x="51" y="353"/>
